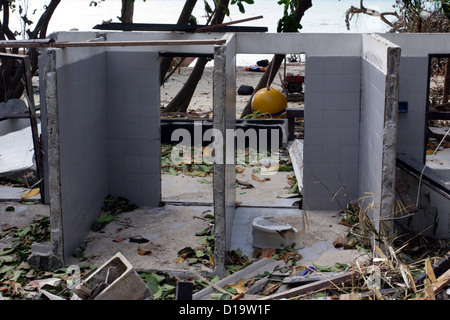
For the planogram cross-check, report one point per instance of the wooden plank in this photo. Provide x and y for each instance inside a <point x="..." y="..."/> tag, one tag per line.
<point x="442" y="282"/>
<point x="136" y="43"/>
<point x="212" y="285"/>
<point x="215" y="26"/>
<point x="446" y="92"/>
<point x="225" y="27"/>
<point x="439" y="269"/>
<point x="323" y="284"/>
<point x="68" y="44"/>
<point x="38" y="154"/>
<point x="16" y="116"/>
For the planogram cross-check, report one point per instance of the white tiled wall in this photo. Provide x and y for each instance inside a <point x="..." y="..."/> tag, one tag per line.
<point x="133" y="126"/>
<point x="108" y="108"/>
<point x="331" y="143"/>
<point x="83" y="148"/>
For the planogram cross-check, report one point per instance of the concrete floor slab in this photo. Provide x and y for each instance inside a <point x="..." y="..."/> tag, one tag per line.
<point x="173" y="227"/>
<point x="22" y="216"/>
<point x="314" y="240"/>
<point x="15" y="194"/>
<point x="440" y="162"/>
<point x="168" y="229"/>
<point x="271" y="193"/>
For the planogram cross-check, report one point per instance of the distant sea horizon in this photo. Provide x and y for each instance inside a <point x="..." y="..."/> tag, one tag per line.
<point x="325" y="16"/>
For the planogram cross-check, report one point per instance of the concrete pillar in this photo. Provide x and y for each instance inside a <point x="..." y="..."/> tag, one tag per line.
<point x="224" y="166"/>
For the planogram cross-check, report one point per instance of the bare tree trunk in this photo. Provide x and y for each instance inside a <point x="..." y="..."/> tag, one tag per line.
<point x="183" y="98"/>
<point x="5" y="31"/>
<point x="127" y="11"/>
<point x="12" y="87"/>
<point x="40" y="31"/>
<point x="181" y="101"/>
<point x="183" y="19"/>
<point x="271" y="72"/>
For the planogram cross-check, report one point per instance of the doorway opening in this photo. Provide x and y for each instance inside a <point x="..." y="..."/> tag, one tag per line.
<point x="269" y="179"/>
<point x="184" y="121"/>
<point x="437" y="143"/>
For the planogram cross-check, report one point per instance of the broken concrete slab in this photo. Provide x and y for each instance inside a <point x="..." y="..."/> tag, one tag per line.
<point x="17" y="151"/>
<point x="115" y="280"/>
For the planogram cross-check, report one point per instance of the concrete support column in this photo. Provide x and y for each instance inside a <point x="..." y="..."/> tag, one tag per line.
<point x="224" y="166"/>
<point x="50" y="256"/>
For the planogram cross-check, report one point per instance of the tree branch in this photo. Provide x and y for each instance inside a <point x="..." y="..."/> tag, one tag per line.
<point x="44" y="20"/>
<point x="183" y="19"/>
<point x="5" y="25"/>
<point x="371" y="12"/>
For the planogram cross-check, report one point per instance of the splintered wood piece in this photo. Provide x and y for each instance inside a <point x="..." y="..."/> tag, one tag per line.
<point x="326" y="283"/>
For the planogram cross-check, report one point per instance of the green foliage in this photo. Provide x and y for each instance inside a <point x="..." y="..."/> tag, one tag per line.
<point x="241" y="5"/>
<point x="112" y="207"/>
<point x="193" y="20"/>
<point x="162" y="288"/>
<point x="446" y="8"/>
<point x="411" y="19"/>
<point x="288" y="22"/>
<point x="256" y="114"/>
<point x="210" y="11"/>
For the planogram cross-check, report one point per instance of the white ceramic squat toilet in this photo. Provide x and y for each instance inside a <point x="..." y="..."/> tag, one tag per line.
<point x="269" y="234"/>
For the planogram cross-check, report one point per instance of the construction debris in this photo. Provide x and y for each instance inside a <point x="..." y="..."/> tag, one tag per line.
<point x="414" y="268"/>
<point x="115" y="280"/>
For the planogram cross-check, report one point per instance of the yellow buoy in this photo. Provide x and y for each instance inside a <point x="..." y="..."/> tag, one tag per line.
<point x="269" y="102"/>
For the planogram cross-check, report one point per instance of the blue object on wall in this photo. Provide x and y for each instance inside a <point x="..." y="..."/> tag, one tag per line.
<point x="403" y="106"/>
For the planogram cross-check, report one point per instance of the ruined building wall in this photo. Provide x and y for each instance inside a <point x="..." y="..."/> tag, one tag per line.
<point x="106" y="136"/>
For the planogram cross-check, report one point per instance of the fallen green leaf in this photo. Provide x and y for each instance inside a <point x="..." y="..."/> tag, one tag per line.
<point x="7" y="251"/>
<point x="294" y="188"/>
<point x="6" y="269"/>
<point x="9" y="259"/>
<point x="199" y="253"/>
<point x="16" y="275"/>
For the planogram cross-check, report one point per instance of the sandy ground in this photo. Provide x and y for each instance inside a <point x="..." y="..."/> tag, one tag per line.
<point x="203" y="96"/>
